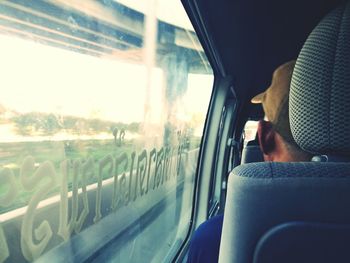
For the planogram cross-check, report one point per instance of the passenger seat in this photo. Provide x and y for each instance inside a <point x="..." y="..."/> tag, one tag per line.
<point x="251" y="153"/>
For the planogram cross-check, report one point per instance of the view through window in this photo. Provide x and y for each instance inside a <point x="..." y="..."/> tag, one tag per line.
<point x="102" y="108"/>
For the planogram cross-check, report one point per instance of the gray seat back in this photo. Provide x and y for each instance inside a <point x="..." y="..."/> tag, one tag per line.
<point x="262" y="196"/>
<point x="252" y="153"/>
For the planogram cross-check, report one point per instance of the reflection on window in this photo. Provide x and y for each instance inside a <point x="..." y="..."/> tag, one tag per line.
<point x="102" y="109"/>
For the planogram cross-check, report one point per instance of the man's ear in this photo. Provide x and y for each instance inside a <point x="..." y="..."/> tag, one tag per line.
<point x="266" y="136"/>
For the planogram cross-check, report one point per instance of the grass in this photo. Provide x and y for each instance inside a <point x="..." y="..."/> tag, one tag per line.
<point x="13" y="154"/>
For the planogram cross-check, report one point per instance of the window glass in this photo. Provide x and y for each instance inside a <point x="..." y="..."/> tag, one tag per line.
<point x="250" y="130"/>
<point x="102" y="109"/>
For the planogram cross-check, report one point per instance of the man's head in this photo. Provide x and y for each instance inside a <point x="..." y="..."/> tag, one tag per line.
<point x="275" y="137"/>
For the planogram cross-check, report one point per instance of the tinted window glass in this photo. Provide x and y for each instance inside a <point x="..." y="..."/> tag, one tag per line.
<point x="102" y="109"/>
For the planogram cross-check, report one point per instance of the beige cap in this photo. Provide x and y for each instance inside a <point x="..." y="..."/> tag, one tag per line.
<point x="275" y="99"/>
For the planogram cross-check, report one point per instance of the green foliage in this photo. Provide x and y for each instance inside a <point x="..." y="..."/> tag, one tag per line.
<point x="49" y="124"/>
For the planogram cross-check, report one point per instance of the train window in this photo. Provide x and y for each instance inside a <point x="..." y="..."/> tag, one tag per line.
<point x="102" y="109"/>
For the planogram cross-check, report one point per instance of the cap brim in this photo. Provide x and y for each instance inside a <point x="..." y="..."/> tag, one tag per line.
<point x="258" y="98"/>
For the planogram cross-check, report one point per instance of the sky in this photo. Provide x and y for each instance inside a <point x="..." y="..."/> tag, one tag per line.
<point x="40" y="78"/>
<point x="35" y="77"/>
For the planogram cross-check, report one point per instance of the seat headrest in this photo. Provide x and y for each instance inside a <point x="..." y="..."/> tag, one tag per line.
<point x="319" y="104"/>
